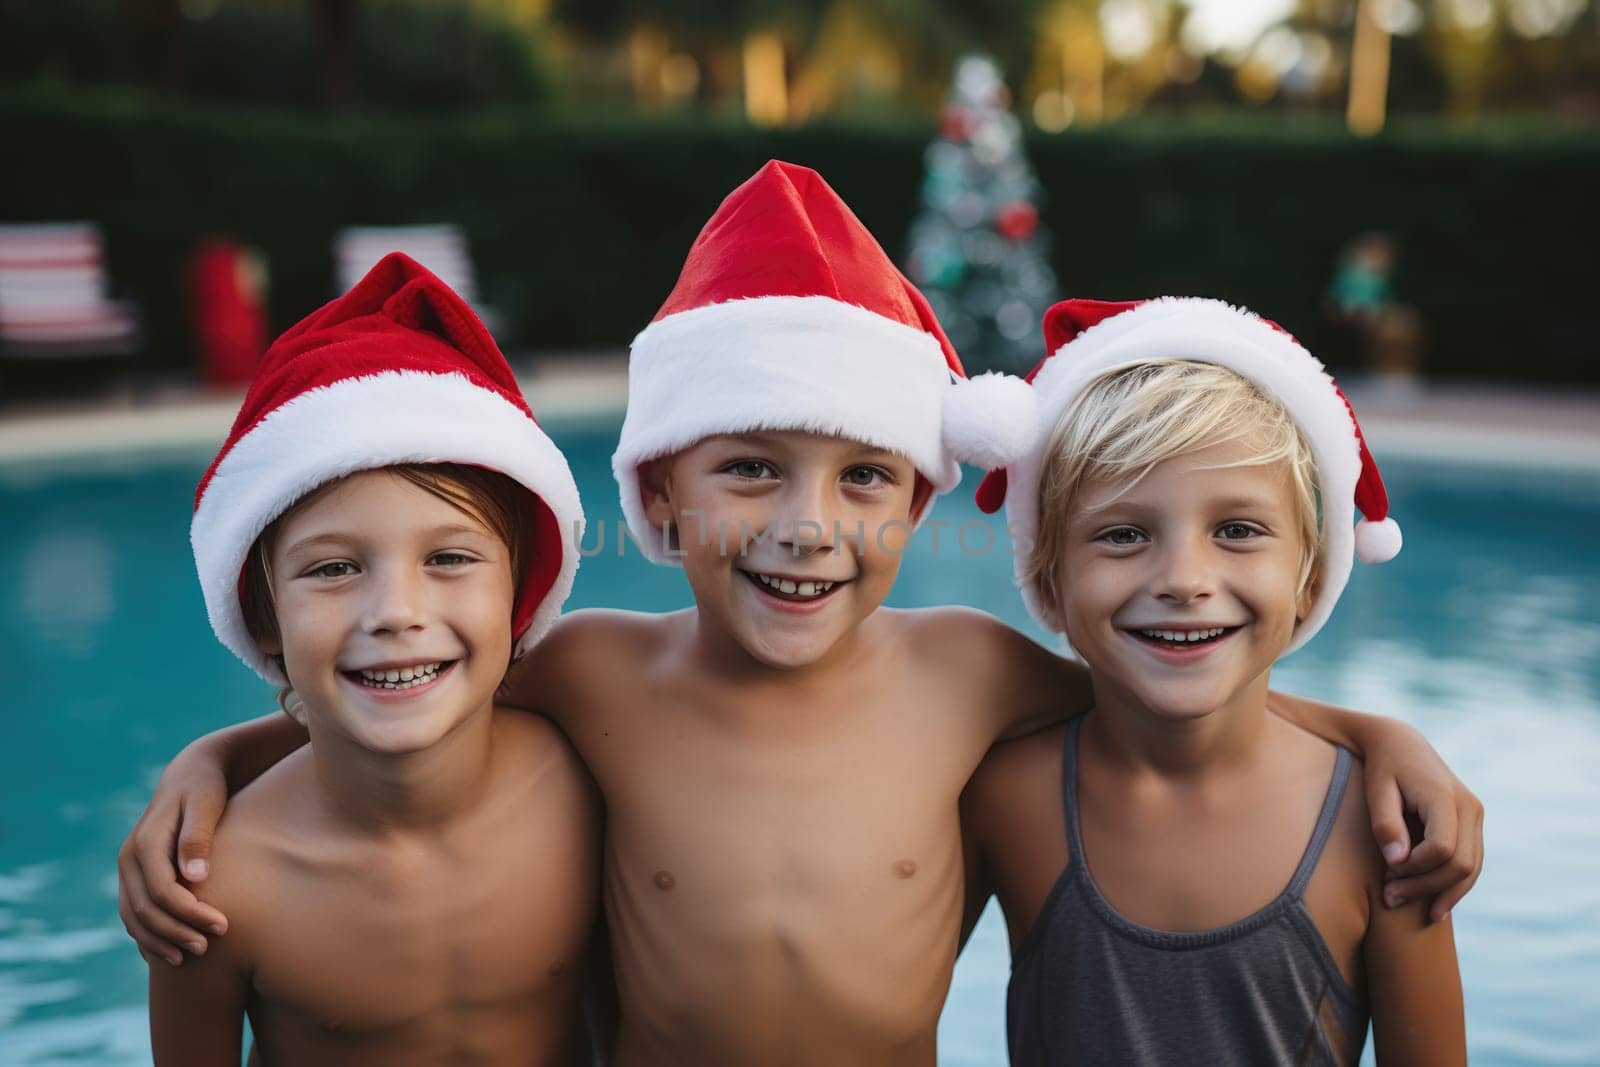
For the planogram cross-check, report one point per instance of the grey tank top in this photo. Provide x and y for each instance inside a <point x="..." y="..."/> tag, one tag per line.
<point x="1090" y="987"/>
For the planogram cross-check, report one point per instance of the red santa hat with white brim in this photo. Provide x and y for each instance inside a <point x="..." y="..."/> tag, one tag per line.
<point x="398" y="370"/>
<point x="1085" y="339"/>
<point x="788" y="315"/>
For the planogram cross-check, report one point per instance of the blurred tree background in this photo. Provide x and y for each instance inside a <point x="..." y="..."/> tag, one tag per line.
<point x="1069" y="62"/>
<point x="1230" y="147"/>
<point x="407" y="55"/>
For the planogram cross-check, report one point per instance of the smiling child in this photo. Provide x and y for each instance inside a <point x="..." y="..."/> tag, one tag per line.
<point x="385" y="528"/>
<point x="1187" y="877"/>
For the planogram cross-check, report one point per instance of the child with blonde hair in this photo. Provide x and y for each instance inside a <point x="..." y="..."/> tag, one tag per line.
<point x="1186" y="877"/>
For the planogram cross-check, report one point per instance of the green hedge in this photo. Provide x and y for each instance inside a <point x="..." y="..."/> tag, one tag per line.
<point x="579" y="223"/>
<point x="1498" y="229"/>
<point x="406" y="55"/>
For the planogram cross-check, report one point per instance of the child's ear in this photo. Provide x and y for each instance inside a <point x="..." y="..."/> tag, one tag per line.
<point x="921" y="494"/>
<point x="655" y="487"/>
<point x="1308" y="595"/>
<point x="291" y="705"/>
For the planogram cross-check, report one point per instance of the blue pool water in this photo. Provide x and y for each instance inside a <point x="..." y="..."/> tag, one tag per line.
<point x="1485" y="633"/>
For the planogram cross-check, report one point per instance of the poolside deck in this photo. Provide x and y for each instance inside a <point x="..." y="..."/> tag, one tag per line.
<point x="560" y="386"/>
<point x="1498" y="424"/>
<point x="1488" y="424"/>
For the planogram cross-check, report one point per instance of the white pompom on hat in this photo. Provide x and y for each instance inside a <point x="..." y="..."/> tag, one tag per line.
<point x="398" y="370"/>
<point x="788" y="315"/>
<point x="1085" y="339"/>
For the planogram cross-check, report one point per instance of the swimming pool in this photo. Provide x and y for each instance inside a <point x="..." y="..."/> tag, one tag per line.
<point x="1485" y="632"/>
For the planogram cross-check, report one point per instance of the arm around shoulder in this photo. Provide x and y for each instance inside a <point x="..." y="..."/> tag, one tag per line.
<point x="1022" y="686"/>
<point x="551" y="678"/>
<point x="1355" y="730"/>
<point x="175" y="831"/>
<point x="249" y="749"/>
<point x="978" y="811"/>
<point x="1404" y="774"/>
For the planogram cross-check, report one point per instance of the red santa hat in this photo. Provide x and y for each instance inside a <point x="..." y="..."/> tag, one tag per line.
<point x="398" y="370"/>
<point x="1087" y="338"/>
<point x="788" y="315"/>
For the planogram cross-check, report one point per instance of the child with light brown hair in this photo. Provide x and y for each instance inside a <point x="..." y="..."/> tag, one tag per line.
<point x="385" y="528"/>
<point x="1187" y="877"/>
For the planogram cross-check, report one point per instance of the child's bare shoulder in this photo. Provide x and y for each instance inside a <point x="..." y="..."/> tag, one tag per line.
<point x="588" y="622"/>
<point x="949" y="621"/>
<point x="525" y="735"/>
<point x="605" y="634"/>
<point x="533" y="746"/>
<point x="266" y="809"/>
<point x="541" y="793"/>
<point x="261" y="835"/>
<point x="966" y="638"/>
<point x="1351" y="844"/>
<point x="1014" y="682"/>
<point x="1312" y="759"/>
<point x="582" y="658"/>
<point x="1345" y="893"/>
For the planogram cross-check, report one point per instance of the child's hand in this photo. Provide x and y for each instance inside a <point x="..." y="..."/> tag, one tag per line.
<point x="1406" y="778"/>
<point x="158" y="910"/>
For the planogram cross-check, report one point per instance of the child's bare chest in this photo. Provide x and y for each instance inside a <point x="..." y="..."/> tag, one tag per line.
<point x="399" y="958"/>
<point x="813" y="871"/>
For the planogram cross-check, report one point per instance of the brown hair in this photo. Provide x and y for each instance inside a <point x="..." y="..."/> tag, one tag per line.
<point x="492" y="498"/>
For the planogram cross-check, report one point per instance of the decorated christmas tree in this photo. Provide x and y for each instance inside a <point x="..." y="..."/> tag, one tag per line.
<point x="976" y="247"/>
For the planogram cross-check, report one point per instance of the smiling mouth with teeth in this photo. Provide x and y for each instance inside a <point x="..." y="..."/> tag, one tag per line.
<point x="1186" y="638"/>
<point x="789" y="588"/>
<point x="400" y="677"/>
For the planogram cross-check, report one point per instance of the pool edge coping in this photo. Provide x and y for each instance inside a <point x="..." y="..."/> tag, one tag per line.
<point x="202" y="424"/>
<point x="1461" y="438"/>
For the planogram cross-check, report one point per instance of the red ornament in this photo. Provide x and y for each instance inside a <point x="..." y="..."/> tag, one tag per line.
<point x="1016" y="220"/>
<point x="957" y="124"/>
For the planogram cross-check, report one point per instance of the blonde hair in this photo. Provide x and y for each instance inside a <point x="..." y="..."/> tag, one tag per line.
<point x="1127" y="421"/>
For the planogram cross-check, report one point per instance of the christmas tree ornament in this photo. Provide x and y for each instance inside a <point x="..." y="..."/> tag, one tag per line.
<point x="1016" y="220"/>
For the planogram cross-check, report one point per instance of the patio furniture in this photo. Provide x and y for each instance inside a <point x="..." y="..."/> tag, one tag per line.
<point x="442" y="248"/>
<point x="53" y="294"/>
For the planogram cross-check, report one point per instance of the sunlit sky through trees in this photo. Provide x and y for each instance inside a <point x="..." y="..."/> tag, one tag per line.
<point x="1223" y="24"/>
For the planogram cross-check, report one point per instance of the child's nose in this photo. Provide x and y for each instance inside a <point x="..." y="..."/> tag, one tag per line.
<point x="1184" y="575"/>
<point x="397" y="603"/>
<point x="805" y="517"/>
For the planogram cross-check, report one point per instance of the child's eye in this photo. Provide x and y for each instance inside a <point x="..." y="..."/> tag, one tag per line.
<point x="750" y="468"/>
<point x="336" y="569"/>
<point x="1237" y="531"/>
<point x="865" y="476"/>
<point x="450" y="559"/>
<point x="1122" y="535"/>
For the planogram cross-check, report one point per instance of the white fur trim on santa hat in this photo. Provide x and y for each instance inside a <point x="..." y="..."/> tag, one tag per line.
<point x="1208" y="331"/>
<point x="990" y="421"/>
<point x="359" y="424"/>
<point x="807" y="363"/>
